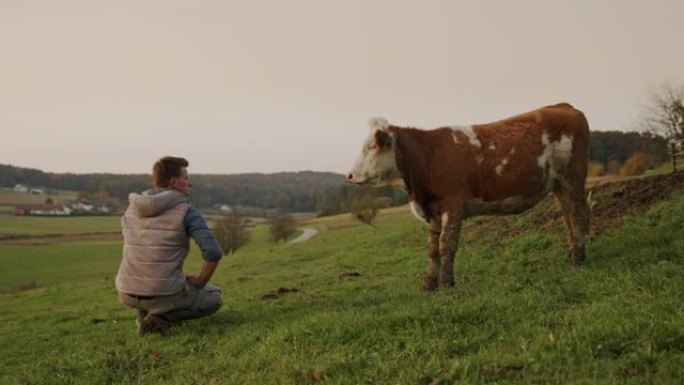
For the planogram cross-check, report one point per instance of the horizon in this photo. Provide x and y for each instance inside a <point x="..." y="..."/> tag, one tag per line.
<point x="239" y="88"/>
<point x="189" y="170"/>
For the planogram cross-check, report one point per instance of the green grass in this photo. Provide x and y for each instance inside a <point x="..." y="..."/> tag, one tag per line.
<point x="31" y="225"/>
<point x="519" y="313"/>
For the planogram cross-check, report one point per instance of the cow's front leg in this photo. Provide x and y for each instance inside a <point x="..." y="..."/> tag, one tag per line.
<point x="430" y="282"/>
<point x="448" y="244"/>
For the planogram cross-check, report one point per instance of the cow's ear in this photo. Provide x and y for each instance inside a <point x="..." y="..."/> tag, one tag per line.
<point x="383" y="139"/>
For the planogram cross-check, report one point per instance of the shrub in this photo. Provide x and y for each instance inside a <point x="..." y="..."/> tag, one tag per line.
<point x="636" y="164"/>
<point x="282" y="227"/>
<point x="596" y="169"/>
<point x="231" y="233"/>
<point x="365" y="209"/>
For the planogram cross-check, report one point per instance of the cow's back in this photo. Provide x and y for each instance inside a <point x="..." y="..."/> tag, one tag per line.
<point x="516" y="152"/>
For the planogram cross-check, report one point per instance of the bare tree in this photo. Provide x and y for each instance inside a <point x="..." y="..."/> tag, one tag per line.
<point x="231" y="233"/>
<point x="282" y="227"/>
<point x="664" y="113"/>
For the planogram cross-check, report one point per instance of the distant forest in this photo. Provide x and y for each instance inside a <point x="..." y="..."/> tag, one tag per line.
<point x="306" y="191"/>
<point x="251" y="194"/>
<point x="607" y="146"/>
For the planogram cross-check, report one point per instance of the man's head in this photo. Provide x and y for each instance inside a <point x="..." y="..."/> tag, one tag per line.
<point x="171" y="172"/>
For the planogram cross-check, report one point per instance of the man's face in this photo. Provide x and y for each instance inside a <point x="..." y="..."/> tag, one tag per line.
<point x="181" y="183"/>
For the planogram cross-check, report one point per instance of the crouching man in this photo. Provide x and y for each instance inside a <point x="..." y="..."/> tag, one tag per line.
<point x="157" y="227"/>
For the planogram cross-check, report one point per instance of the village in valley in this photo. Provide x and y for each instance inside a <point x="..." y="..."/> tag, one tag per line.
<point x="52" y="207"/>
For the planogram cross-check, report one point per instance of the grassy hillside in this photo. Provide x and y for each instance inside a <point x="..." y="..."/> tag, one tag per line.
<point x="519" y="313"/>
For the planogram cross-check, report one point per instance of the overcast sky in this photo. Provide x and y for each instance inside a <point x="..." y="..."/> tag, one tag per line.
<point x="268" y="86"/>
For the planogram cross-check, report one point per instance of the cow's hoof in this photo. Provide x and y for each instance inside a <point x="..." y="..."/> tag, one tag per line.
<point x="447" y="282"/>
<point x="577" y="256"/>
<point x="430" y="284"/>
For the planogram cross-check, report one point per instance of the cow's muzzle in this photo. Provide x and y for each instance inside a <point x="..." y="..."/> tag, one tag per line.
<point x="351" y="179"/>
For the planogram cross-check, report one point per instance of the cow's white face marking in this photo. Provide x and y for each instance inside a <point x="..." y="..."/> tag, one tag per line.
<point x="470" y="133"/>
<point x="499" y="168"/>
<point x="492" y="147"/>
<point x="556" y="155"/>
<point x="377" y="163"/>
<point x="512" y="151"/>
<point x="479" y="159"/>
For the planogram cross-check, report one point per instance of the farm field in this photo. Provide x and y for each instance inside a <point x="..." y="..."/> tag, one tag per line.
<point x="23" y="226"/>
<point x="33" y="225"/>
<point x="9" y="197"/>
<point x="346" y="306"/>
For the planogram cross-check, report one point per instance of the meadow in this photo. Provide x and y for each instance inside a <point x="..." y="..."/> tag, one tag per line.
<point x="17" y="225"/>
<point x="346" y="307"/>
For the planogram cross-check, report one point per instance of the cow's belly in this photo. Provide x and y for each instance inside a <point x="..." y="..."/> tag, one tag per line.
<point x="522" y="182"/>
<point x="506" y="206"/>
<point x="509" y="194"/>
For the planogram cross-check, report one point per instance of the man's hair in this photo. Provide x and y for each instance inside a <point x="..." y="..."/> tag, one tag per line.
<point x="166" y="168"/>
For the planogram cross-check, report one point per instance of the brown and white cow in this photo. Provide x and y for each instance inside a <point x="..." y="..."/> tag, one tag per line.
<point x="504" y="167"/>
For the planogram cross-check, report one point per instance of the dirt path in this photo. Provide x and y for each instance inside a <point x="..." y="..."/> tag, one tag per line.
<point x="305" y="236"/>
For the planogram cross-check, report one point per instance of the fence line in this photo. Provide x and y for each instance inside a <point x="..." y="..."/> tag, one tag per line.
<point x="676" y="151"/>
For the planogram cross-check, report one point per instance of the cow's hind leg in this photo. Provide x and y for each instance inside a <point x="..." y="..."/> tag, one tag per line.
<point x="448" y="244"/>
<point x="430" y="282"/>
<point x="576" y="215"/>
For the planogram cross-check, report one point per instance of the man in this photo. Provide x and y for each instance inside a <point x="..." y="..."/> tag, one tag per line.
<point x="157" y="227"/>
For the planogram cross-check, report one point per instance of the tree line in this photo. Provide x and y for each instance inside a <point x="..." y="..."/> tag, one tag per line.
<point x="250" y="194"/>
<point x="617" y="146"/>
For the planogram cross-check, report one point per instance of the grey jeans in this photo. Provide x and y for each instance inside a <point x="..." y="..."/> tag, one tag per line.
<point x="191" y="302"/>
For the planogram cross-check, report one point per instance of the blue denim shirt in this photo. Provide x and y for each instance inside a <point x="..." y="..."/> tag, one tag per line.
<point x="197" y="228"/>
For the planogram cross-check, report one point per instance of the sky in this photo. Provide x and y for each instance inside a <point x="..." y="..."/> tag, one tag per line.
<point x="270" y="86"/>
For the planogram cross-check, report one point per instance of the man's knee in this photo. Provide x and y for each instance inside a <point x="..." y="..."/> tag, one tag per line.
<point x="213" y="299"/>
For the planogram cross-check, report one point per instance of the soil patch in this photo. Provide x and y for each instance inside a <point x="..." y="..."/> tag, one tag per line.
<point x="351" y="274"/>
<point x="614" y="200"/>
<point x="275" y="294"/>
<point x="19" y="288"/>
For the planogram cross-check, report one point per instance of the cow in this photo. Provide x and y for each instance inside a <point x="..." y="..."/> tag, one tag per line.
<point x="506" y="167"/>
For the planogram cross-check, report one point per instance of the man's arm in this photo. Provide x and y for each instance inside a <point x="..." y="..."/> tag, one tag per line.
<point x="197" y="228"/>
<point x="205" y="274"/>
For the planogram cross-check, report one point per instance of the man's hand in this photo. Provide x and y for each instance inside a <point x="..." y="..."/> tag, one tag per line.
<point x="195" y="281"/>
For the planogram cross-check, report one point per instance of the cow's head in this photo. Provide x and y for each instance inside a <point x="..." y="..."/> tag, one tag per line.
<point x="377" y="162"/>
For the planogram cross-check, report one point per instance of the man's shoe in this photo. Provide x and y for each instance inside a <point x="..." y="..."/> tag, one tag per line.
<point x="139" y="320"/>
<point x="152" y="323"/>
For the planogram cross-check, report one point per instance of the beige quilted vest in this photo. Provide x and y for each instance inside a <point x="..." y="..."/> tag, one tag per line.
<point x="155" y="243"/>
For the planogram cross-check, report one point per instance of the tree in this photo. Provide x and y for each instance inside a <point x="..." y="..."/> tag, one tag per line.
<point x="664" y="113"/>
<point x="231" y="233"/>
<point x="613" y="167"/>
<point x="282" y="227"/>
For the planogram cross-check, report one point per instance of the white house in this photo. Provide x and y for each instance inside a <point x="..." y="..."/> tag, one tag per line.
<point x="20" y="188"/>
